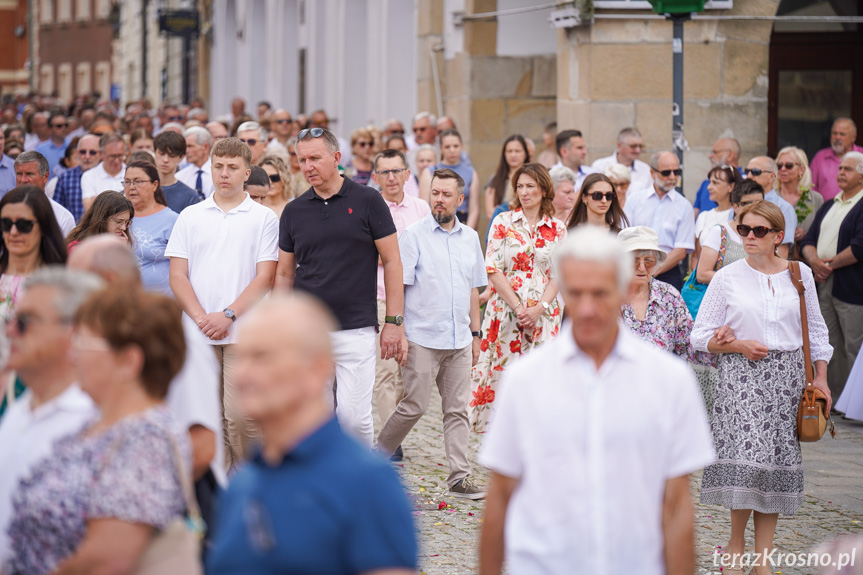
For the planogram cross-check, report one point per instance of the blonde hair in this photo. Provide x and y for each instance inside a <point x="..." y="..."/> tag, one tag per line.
<point x="766" y="210"/>
<point x="359" y="133"/>
<point x="284" y="174"/>
<point x="800" y="158"/>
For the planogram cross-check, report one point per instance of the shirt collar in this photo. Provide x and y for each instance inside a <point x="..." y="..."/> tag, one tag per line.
<point x="623" y="346"/>
<point x="7" y="162"/>
<point x="436" y="226"/>
<point x="342" y="192"/>
<point x="400" y="204"/>
<point x="72" y="399"/>
<point x="838" y="199"/>
<point x="244" y="206"/>
<point x="311" y="446"/>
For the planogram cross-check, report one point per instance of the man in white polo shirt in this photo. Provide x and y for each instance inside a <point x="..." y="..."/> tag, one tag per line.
<point x="53" y="405"/>
<point x="108" y="175"/>
<point x="223" y="254"/>
<point x="562" y="497"/>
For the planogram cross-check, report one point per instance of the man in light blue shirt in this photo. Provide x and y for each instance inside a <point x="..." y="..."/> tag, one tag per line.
<point x="443" y="268"/>
<point x="663" y="209"/>
<point x="7" y="169"/>
<point x="762" y="169"/>
<point x="54" y="148"/>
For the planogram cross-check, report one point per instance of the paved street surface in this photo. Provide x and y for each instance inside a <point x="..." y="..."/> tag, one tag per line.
<point x="449" y="535"/>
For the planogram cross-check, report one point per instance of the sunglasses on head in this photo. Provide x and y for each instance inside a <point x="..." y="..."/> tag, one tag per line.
<point x="597" y="196"/>
<point x="275" y="178"/>
<point x="753" y="171"/>
<point x="665" y="173"/>
<point x="23" y="226"/>
<point x="315" y="132"/>
<point x="758" y="231"/>
<point x="786" y="165"/>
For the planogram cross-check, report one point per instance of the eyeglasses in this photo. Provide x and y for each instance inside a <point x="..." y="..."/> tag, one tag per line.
<point x="717" y="152"/>
<point x="24" y="226"/>
<point x="420" y="129"/>
<point x="385" y="174"/>
<point x="275" y="178"/>
<point x="635" y="146"/>
<point x="135" y="183"/>
<point x="744" y="204"/>
<point x="786" y="165"/>
<point x="758" y="231"/>
<point x="122" y="224"/>
<point x="175" y="118"/>
<point x="59" y="125"/>
<point x="88" y="152"/>
<point x="115" y="157"/>
<point x="363" y="144"/>
<point x="665" y="173"/>
<point x="250" y="142"/>
<point x="284" y="121"/>
<point x="647" y="262"/>
<point x="753" y="172"/>
<point x="598" y="196"/>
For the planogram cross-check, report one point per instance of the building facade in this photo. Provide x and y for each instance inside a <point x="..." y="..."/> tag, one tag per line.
<point x="14" y="70"/>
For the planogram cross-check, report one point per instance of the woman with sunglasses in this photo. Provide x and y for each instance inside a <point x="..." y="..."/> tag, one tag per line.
<point x="451" y="157"/>
<point x="359" y="167"/>
<point x="31" y="239"/>
<point x="109" y="214"/>
<point x="154" y="221"/>
<point x="794" y="184"/>
<point x="95" y="504"/>
<point x="597" y="205"/>
<point x="280" y="192"/>
<point x="761" y="379"/>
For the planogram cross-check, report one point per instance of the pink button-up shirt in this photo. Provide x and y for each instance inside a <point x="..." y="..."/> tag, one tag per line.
<point x="405" y="213"/>
<point x="825" y="166"/>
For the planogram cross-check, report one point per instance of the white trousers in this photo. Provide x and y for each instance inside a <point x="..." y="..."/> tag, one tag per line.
<point x="351" y="388"/>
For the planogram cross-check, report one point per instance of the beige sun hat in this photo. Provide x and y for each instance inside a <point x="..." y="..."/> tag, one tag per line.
<point x="641" y="238"/>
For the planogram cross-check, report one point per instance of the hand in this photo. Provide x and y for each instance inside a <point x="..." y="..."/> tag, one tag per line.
<point x="821" y="269"/>
<point x="527" y="317"/>
<point x="799" y="234"/>
<point x="484" y="296"/>
<point x="820" y="383"/>
<point x="474" y="350"/>
<point x="403" y="357"/>
<point x="215" y="325"/>
<point x="724" y="335"/>
<point x="751" y="349"/>
<point x="391" y="341"/>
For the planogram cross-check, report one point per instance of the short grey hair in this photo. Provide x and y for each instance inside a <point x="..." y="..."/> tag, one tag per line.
<point x="627" y="133"/>
<point x="654" y="159"/>
<point x="202" y="135"/>
<point x="249" y="126"/>
<point x="423" y="115"/>
<point x="618" y="172"/>
<point x="32" y="156"/>
<point x="561" y="174"/>
<point x="330" y="139"/>
<point x="595" y="244"/>
<point x="71" y="287"/>
<point x="852" y="155"/>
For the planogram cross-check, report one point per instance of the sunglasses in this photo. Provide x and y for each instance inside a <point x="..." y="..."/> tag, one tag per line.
<point x="753" y="171"/>
<point x="23" y="226"/>
<point x="275" y="178"/>
<point x="283" y="121"/>
<point x="175" y="118"/>
<point x="363" y="144"/>
<point x="250" y="142"/>
<point x="787" y="166"/>
<point x="59" y="125"/>
<point x="597" y="196"/>
<point x="665" y="173"/>
<point x="315" y="132"/>
<point x="758" y="231"/>
<point x="88" y="152"/>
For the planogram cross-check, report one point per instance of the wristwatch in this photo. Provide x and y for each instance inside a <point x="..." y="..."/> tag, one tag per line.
<point x="546" y="306"/>
<point x="229" y="313"/>
<point x="476" y="334"/>
<point x="394" y="319"/>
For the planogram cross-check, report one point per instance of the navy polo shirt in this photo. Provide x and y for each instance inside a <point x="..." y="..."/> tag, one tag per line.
<point x="333" y="241"/>
<point x="331" y="507"/>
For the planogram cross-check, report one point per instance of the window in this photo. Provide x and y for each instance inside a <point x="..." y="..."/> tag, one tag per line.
<point x="64" y="82"/>
<point x="64" y="10"/>
<point x="83" y="83"/>
<point x="103" y="8"/>
<point x="46" y="78"/>
<point x="82" y="9"/>
<point x="46" y="11"/>
<point x="102" y="80"/>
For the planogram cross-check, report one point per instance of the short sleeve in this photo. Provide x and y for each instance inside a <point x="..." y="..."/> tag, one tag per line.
<point x="193" y="396"/>
<point x="380" y="219"/>
<point x="286" y="237"/>
<point x="700" y="224"/>
<point x="495" y="256"/>
<point x="712" y="237"/>
<point x="269" y="248"/>
<point x="382" y="533"/>
<point x="409" y="255"/>
<point x="685" y="236"/>
<point x="139" y="481"/>
<point x="88" y="188"/>
<point x="177" y="246"/>
<point x="480" y="277"/>
<point x="693" y="449"/>
<point x="500" y="450"/>
<point x="711" y="313"/>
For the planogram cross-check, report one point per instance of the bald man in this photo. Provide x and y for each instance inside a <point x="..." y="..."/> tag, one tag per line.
<point x="312" y="499"/>
<point x="825" y="164"/>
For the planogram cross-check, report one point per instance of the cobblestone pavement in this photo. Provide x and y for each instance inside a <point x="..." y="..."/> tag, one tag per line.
<point x="449" y="534"/>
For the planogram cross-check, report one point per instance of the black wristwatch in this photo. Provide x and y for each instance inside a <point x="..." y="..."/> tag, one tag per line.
<point x="476" y="334"/>
<point x="394" y="319"/>
<point x="229" y="313"/>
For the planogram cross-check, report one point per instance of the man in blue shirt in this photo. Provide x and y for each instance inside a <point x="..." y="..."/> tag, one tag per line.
<point x="762" y="169"/>
<point x="7" y="169"/>
<point x="443" y="268"/>
<point x="55" y="147"/>
<point x="312" y="500"/>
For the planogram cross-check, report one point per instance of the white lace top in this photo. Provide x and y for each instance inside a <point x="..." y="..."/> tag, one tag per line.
<point x="761" y="307"/>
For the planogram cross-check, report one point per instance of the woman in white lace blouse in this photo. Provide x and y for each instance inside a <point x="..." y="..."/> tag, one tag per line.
<point x="761" y="379"/>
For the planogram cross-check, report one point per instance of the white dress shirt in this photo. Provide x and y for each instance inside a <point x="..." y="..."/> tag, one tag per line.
<point x="761" y="307"/>
<point x="641" y="178"/>
<point x="27" y="436"/>
<point x="670" y="217"/>
<point x="591" y="484"/>
<point x="189" y="176"/>
<point x="97" y="180"/>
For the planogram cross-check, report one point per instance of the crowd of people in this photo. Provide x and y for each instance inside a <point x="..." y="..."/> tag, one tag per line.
<point x="202" y="317"/>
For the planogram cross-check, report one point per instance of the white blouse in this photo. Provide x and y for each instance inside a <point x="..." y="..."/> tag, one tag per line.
<point x="707" y="220"/>
<point x="761" y="307"/>
<point x="712" y="238"/>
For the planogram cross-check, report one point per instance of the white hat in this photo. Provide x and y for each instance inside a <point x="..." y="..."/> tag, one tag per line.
<point x="641" y="238"/>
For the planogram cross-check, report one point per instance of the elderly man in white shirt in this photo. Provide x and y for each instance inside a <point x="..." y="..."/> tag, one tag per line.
<point x="198" y="173"/>
<point x="108" y="175"/>
<point x="629" y="147"/>
<point x="53" y="405"/>
<point x="572" y="489"/>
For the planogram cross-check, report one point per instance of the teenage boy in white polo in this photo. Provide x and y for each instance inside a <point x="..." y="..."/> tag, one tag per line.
<point x="223" y="254"/>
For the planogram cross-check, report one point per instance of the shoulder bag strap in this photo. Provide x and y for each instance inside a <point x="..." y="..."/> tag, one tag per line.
<point x="10" y="390"/>
<point x="723" y="244"/>
<point x="794" y="271"/>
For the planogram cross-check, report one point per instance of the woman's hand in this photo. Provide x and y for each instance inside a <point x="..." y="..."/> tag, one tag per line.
<point x="751" y="349"/>
<point x="820" y="384"/>
<point x="724" y="335"/>
<point x="799" y="234"/>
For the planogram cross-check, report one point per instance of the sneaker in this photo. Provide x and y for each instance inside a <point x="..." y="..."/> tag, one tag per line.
<point x="467" y="489"/>
<point x="398" y="455"/>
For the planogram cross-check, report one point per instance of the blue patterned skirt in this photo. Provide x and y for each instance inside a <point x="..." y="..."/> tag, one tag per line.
<point x="754" y="423"/>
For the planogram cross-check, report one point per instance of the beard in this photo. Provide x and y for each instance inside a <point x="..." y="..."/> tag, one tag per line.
<point x="838" y="147"/>
<point x="660" y="183"/>
<point x="443" y="217"/>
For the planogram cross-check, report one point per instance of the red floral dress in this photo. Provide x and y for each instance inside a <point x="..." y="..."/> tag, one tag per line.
<point x="525" y="259"/>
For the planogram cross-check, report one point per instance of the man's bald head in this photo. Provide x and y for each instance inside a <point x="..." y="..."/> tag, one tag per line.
<point x="726" y="151"/>
<point x="842" y="135"/>
<point x="108" y="256"/>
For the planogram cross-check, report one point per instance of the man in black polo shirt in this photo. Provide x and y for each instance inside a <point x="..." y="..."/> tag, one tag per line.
<point x="330" y="240"/>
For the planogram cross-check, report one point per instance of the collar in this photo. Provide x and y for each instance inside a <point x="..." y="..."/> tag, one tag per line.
<point x="436" y="226"/>
<point x="400" y="204"/>
<point x="244" y="206"/>
<point x="72" y="399"/>
<point x="624" y="347"/>
<point x="654" y="193"/>
<point x="838" y="199"/>
<point x="545" y="220"/>
<point x="119" y="175"/>
<point x="341" y="193"/>
<point x="312" y="446"/>
<point x="7" y="162"/>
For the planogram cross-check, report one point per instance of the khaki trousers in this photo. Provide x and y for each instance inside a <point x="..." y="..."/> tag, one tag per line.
<point x="845" y="324"/>
<point x="241" y="433"/>
<point x="450" y="370"/>
<point x="389" y="386"/>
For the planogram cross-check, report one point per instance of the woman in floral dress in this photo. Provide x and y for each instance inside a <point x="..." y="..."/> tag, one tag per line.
<point x="523" y="311"/>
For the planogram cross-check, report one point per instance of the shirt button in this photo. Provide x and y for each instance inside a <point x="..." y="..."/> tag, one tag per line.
<point x="326" y="203"/>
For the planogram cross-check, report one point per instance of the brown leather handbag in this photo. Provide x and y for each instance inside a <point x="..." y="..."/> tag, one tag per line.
<point x="812" y="416"/>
